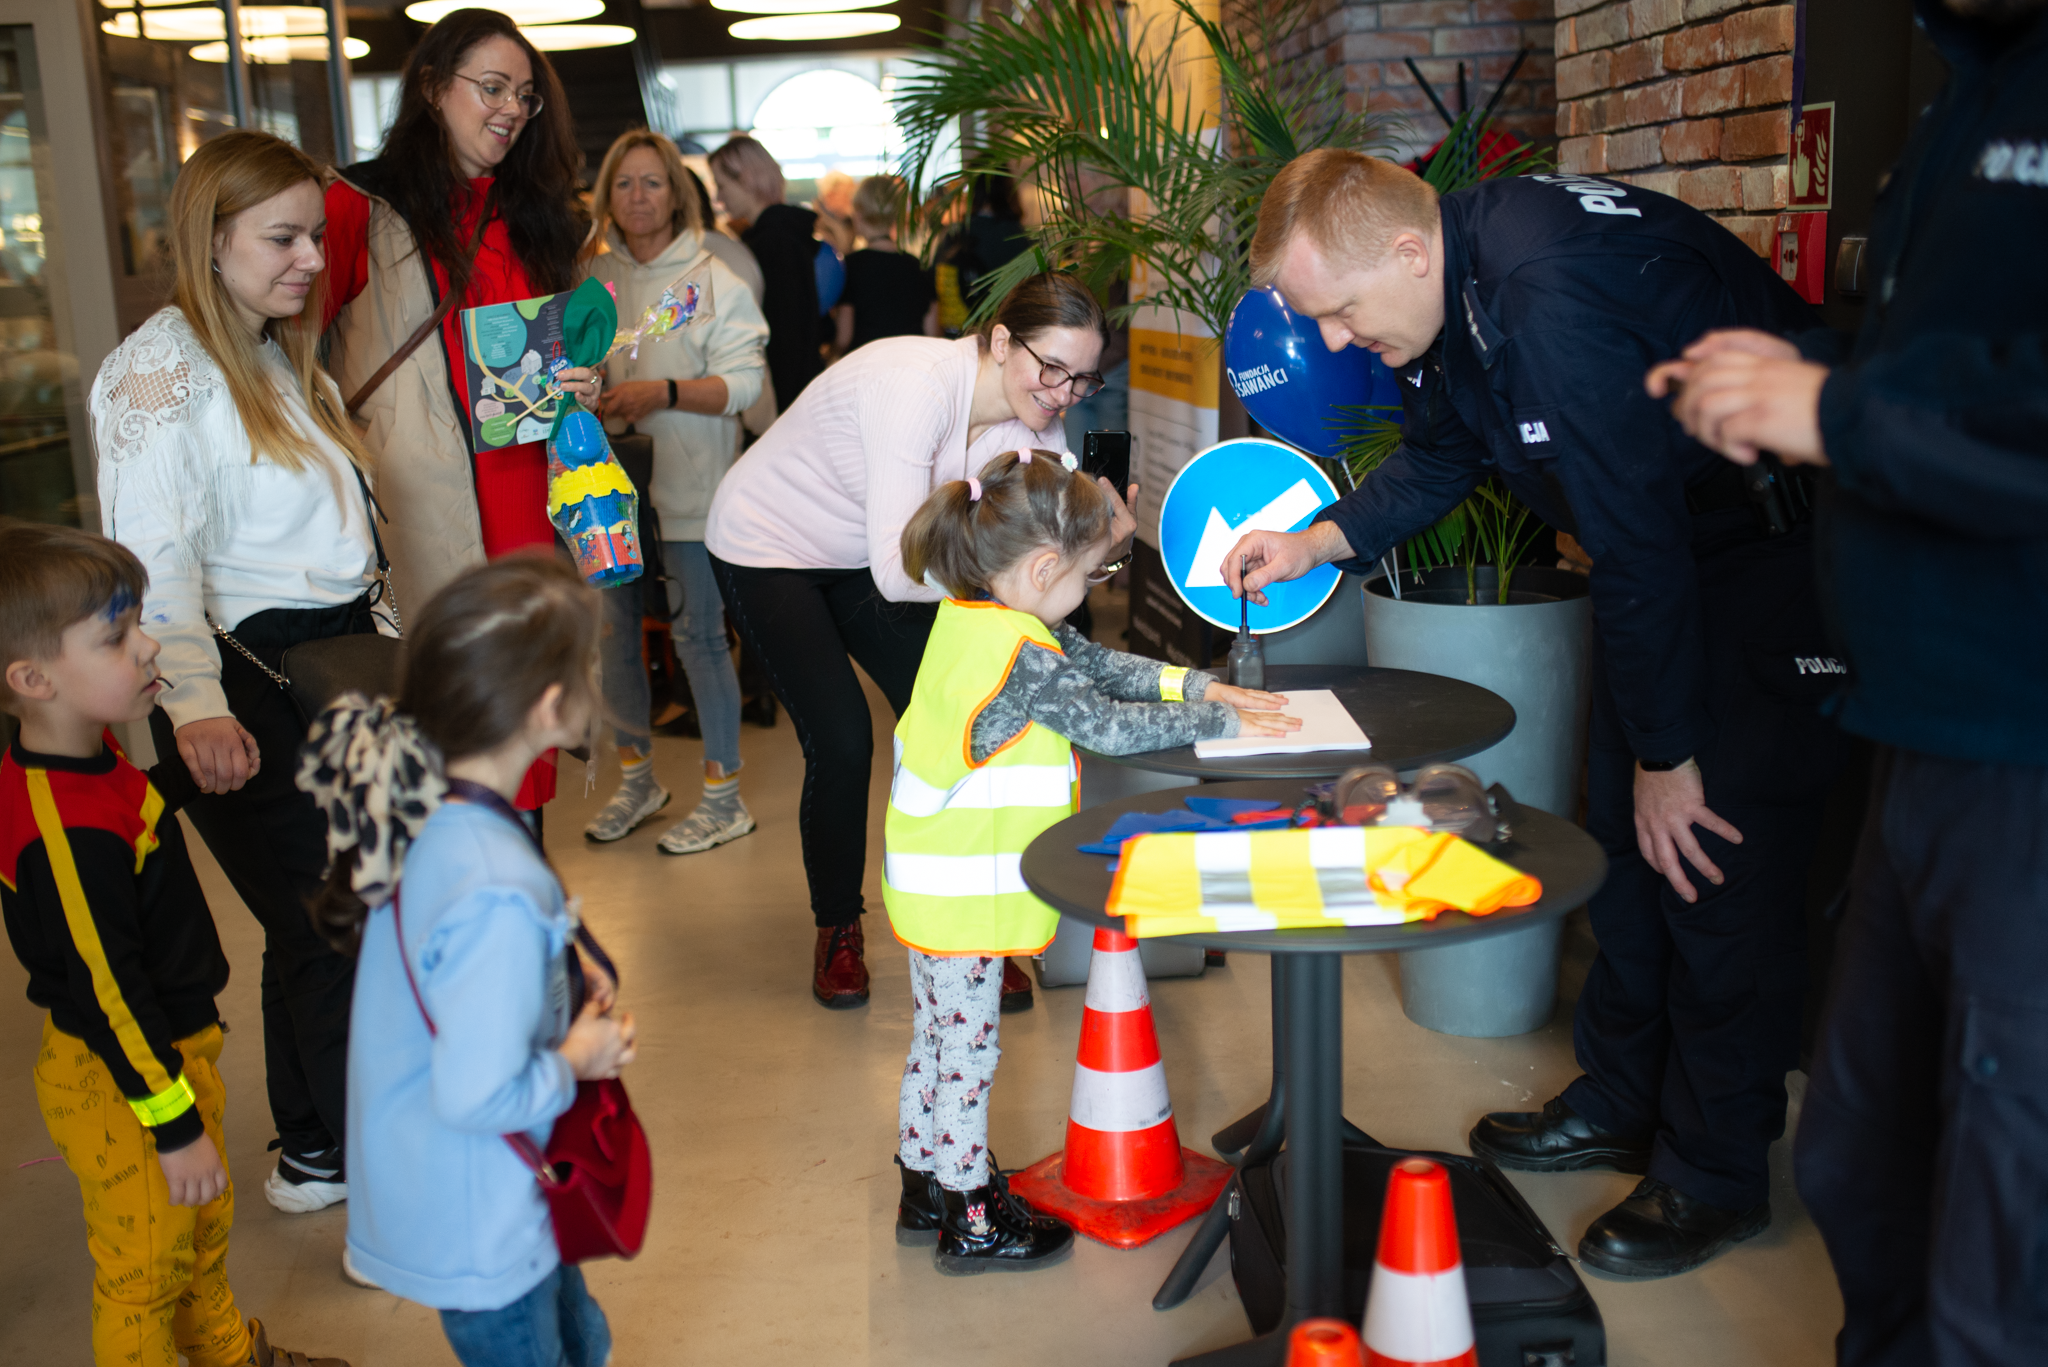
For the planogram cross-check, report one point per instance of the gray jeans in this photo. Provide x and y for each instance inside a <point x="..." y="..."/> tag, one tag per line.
<point x="699" y="628"/>
<point x="942" y="1111"/>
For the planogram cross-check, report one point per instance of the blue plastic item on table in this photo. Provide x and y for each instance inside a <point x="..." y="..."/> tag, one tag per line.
<point x="1200" y="814"/>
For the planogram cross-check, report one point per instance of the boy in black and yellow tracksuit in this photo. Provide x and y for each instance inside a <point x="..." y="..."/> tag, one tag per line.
<point x="106" y="914"/>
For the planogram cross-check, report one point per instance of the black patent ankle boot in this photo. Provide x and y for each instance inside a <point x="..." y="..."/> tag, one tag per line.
<point x="980" y="1231"/>
<point x="917" y="1212"/>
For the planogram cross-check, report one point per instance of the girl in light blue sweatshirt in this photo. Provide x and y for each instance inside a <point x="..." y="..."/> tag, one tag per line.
<point x="442" y="1211"/>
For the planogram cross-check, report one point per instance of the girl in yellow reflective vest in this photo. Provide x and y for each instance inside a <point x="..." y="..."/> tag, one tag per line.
<point x="984" y="763"/>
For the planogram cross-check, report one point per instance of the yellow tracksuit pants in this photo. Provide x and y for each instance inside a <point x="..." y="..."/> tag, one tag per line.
<point x="160" y="1287"/>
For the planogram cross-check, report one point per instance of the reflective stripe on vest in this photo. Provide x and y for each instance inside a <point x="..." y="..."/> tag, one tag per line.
<point x="956" y="831"/>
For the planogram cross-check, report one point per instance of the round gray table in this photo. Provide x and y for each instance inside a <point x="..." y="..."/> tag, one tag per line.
<point x="1308" y="1026"/>
<point x="1412" y="719"/>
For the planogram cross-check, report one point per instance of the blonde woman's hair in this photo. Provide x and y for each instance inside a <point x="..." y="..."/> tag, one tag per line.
<point x="227" y="176"/>
<point x="963" y="541"/>
<point x="752" y="165"/>
<point x="878" y="203"/>
<point x="1350" y="205"/>
<point x="684" y="213"/>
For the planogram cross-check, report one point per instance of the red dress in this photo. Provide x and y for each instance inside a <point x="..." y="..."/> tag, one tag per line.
<point x="512" y="482"/>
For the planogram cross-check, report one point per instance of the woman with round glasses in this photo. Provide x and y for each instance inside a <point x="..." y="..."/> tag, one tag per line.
<point x="804" y="538"/>
<point x="471" y="203"/>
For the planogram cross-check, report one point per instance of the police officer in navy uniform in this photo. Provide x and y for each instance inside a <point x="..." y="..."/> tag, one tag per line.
<point x="1521" y="315"/>
<point x="1923" y="1138"/>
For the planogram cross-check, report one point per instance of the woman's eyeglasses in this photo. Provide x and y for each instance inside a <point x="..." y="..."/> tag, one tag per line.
<point x="1086" y="384"/>
<point x="497" y="94"/>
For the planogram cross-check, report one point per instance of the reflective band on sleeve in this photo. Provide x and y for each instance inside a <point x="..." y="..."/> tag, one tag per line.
<point x="1010" y="785"/>
<point x="954" y="875"/>
<point x="1418" y="1317"/>
<point x="1171" y="680"/>
<point x="1120" y="1103"/>
<point x="1116" y="981"/>
<point x="172" y="1102"/>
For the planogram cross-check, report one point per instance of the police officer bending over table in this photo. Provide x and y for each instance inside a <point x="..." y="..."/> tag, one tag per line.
<point x="1521" y="315"/>
<point x="1923" y="1140"/>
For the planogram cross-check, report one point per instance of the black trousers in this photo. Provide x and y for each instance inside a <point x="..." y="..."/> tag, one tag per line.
<point x="1923" y="1141"/>
<point x="802" y="625"/>
<point x="271" y="841"/>
<point x="1689" y="1019"/>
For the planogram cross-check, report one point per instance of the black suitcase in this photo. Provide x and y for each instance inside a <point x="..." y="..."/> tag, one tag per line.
<point x="1529" y="1308"/>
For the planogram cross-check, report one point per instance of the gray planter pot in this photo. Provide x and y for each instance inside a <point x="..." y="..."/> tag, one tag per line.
<point x="1535" y="652"/>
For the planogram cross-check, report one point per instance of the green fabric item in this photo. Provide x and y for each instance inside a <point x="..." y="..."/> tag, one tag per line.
<point x="590" y="320"/>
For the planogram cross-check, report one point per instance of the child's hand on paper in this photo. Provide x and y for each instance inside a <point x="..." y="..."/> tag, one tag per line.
<point x="1250" y="723"/>
<point x="1245" y="697"/>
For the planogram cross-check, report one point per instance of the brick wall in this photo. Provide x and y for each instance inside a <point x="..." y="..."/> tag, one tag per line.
<point x="1688" y="97"/>
<point x="1369" y="38"/>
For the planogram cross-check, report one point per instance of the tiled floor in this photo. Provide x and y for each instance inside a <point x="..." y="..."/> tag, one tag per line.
<point x="773" y="1121"/>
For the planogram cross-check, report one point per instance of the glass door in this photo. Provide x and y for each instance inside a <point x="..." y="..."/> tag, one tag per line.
<point x="38" y="472"/>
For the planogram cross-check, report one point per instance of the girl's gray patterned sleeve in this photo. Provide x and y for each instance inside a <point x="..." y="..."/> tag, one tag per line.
<point x="1120" y="674"/>
<point x="1058" y="694"/>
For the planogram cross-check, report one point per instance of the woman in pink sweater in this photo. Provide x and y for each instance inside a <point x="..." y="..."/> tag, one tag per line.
<point x="804" y="535"/>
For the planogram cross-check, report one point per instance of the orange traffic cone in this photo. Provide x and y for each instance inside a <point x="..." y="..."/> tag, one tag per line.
<point x="1324" y="1343"/>
<point x="1417" y="1314"/>
<point x="1123" y="1177"/>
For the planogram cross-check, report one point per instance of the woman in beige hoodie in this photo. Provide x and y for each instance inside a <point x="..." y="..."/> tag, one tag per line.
<point x="686" y="390"/>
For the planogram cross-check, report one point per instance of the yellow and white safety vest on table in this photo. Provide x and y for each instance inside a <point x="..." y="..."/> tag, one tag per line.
<point x="1181" y="883"/>
<point x="956" y="830"/>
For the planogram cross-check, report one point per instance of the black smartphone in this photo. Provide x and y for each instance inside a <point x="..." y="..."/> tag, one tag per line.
<point x="1108" y="454"/>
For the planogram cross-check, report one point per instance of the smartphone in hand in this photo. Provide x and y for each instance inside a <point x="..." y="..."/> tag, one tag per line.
<point x="1108" y="454"/>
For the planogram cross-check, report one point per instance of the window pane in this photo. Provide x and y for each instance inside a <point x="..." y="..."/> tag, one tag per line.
<point x="38" y="477"/>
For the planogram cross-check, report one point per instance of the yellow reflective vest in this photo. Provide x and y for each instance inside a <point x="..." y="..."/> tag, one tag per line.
<point x="956" y="830"/>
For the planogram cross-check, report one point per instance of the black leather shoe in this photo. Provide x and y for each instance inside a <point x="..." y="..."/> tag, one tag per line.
<point x="917" y="1213"/>
<point x="980" y="1231"/>
<point x="1659" y="1231"/>
<point x="1555" y="1139"/>
<point x="1018" y="1207"/>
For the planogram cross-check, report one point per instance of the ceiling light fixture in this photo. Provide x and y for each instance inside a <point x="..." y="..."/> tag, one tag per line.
<point x="520" y="12"/>
<point x="207" y="25"/>
<point x="278" y="51"/>
<point x="795" y="28"/>
<point x="793" y="6"/>
<point x="570" y="37"/>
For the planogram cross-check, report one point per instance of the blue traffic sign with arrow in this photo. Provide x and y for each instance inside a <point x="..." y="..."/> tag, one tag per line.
<point x="1248" y="484"/>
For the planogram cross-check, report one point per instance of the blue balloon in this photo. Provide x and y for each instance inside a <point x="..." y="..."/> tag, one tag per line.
<point x="831" y="276"/>
<point x="1291" y="383"/>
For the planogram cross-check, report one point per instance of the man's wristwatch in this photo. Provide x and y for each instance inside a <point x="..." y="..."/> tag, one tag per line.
<point x="671" y="393"/>
<point x="1662" y="766"/>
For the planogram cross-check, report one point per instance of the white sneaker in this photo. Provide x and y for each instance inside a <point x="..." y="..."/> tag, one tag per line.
<point x="619" y="817"/>
<point x="704" y="830"/>
<point x="297" y="1198"/>
<point x="353" y="1273"/>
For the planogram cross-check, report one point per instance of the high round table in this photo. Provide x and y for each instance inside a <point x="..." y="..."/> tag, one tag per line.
<point x="1412" y="719"/>
<point x="1305" y="1105"/>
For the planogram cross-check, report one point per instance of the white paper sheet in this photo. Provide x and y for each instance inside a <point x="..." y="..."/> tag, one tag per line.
<point x="1325" y="725"/>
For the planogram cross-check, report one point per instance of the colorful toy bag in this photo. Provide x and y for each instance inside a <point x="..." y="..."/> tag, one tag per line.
<point x="590" y="500"/>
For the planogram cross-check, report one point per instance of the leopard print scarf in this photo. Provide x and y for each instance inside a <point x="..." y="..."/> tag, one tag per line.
<point x="377" y="779"/>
